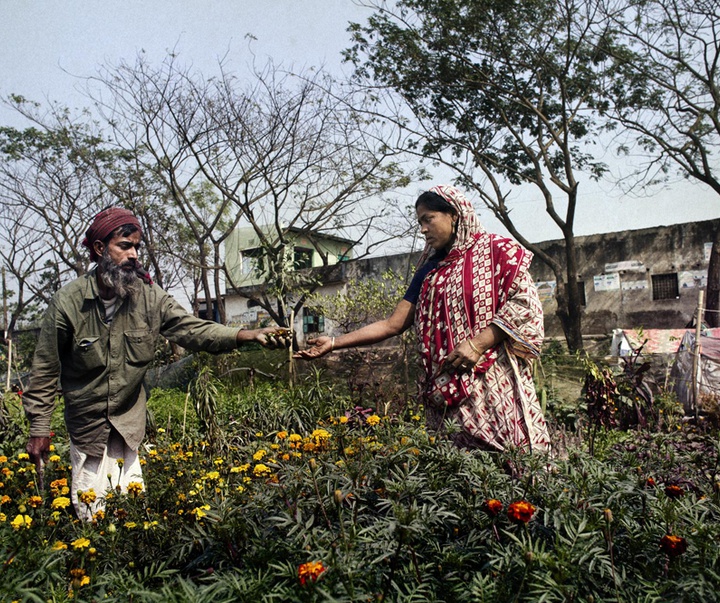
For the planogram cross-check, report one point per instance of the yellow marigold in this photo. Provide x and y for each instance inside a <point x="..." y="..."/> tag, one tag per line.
<point x="134" y="488"/>
<point x="199" y="512"/>
<point x="34" y="501"/>
<point x="23" y="456"/>
<point x="281" y="435"/>
<point x="343" y="419"/>
<point x="59" y="487"/>
<point x="59" y="546"/>
<point x="372" y="420"/>
<point x="80" y="543"/>
<point x="212" y="475"/>
<point x="130" y="525"/>
<point x="149" y="525"/>
<point x="61" y="502"/>
<point x="5" y="499"/>
<point x="261" y="470"/>
<point x="87" y="497"/>
<point x="99" y="515"/>
<point x="3" y="458"/>
<point x="309" y="446"/>
<point x="218" y="462"/>
<point x="258" y="456"/>
<point x="3" y="518"/>
<point x="294" y="437"/>
<point x="320" y="434"/>
<point x="415" y="417"/>
<point x="275" y="446"/>
<point x="21" y="521"/>
<point x="55" y="458"/>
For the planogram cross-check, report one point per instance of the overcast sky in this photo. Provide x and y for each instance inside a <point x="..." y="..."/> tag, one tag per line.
<point x="45" y="46"/>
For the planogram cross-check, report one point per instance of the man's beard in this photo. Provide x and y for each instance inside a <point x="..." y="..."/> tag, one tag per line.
<point x="122" y="280"/>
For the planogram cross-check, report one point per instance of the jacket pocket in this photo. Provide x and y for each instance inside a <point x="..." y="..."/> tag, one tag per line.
<point x="140" y="347"/>
<point x="88" y="354"/>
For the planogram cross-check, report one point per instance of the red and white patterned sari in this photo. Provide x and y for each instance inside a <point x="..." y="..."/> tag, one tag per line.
<point x="483" y="280"/>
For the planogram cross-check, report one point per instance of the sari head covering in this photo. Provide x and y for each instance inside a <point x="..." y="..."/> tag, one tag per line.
<point x="484" y="279"/>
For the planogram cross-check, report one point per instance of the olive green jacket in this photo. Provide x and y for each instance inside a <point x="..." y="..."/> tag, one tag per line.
<point x="100" y="366"/>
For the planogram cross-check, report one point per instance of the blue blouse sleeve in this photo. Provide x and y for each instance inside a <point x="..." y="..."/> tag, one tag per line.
<point x="413" y="291"/>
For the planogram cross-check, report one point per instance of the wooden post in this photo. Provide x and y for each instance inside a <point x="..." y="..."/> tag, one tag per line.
<point x="696" y="355"/>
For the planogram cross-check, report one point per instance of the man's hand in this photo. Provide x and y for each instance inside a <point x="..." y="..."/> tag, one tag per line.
<point x="274" y="337"/>
<point x="38" y="449"/>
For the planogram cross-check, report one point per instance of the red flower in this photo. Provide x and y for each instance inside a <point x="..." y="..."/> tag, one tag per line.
<point x="650" y="482"/>
<point x="674" y="491"/>
<point x="673" y="545"/>
<point x="492" y="507"/>
<point x="310" y="571"/>
<point x="520" y="511"/>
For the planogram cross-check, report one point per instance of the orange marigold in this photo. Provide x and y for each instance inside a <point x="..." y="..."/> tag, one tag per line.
<point x="520" y="511"/>
<point x="310" y="571"/>
<point x="674" y="491"/>
<point x="672" y="545"/>
<point x="492" y="507"/>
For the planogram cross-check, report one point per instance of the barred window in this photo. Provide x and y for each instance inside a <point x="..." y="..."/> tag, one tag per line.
<point x="665" y="286"/>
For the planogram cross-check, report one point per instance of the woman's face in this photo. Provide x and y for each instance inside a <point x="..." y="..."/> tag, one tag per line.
<point x="437" y="227"/>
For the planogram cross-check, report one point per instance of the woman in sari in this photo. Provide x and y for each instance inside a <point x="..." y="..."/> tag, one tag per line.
<point x="479" y="324"/>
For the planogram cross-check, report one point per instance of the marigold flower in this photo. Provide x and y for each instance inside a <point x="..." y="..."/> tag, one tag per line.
<point x="343" y="420"/>
<point x="310" y="571"/>
<point x="261" y="470"/>
<point x="87" y="497"/>
<point x="372" y="420"/>
<point x="294" y="437"/>
<point x="3" y="518"/>
<point x="520" y="511"/>
<point x="492" y="507"/>
<point x="23" y="456"/>
<point x="34" y="501"/>
<point x="81" y="543"/>
<point x="674" y="491"/>
<point x="673" y="546"/>
<point x="258" y="456"/>
<point x="281" y="435"/>
<point x="5" y="499"/>
<point x="134" y="488"/>
<point x="3" y="458"/>
<point x="130" y="525"/>
<point x="55" y="458"/>
<point x="59" y="546"/>
<point x="21" y="521"/>
<point x="61" y="502"/>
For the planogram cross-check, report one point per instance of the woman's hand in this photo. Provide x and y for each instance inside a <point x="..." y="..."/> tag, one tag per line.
<point x="318" y="348"/>
<point x="464" y="357"/>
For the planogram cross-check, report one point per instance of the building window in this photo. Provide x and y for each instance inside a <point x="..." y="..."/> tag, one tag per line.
<point x="581" y="293"/>
<point x="252" y="261"/>
<point x="313" y="322"/>
<point x="302" y="258"/>
<point x="665" y="286"/>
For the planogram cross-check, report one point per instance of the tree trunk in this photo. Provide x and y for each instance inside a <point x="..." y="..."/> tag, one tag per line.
<point x="712" y="304"/>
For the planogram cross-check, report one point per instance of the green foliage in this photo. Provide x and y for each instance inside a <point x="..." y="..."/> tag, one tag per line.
<point x="366" y="300"/>
<point x="303" y="499"/>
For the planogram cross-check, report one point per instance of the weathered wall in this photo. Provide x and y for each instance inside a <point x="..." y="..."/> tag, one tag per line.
<point x="617" y="270"/>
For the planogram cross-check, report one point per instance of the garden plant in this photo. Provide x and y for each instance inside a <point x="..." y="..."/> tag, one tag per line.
<point x="298" y="494"/>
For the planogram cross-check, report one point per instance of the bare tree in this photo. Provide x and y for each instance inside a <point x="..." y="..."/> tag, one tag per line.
<point x="664" y="93"/>
<point x="283" y="154"/>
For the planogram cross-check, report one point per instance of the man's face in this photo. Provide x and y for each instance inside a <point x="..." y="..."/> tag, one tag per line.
<point x="123" y="250"/>
<point x="118" y="264"/>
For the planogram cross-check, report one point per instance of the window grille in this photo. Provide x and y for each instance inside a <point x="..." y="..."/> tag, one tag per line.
<point x="665" y="286"/>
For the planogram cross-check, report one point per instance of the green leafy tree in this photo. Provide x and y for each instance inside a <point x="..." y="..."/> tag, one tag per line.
<point x="501" y="93"/>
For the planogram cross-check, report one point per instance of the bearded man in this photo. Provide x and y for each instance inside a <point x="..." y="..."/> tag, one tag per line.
<point x="97" y="341"/>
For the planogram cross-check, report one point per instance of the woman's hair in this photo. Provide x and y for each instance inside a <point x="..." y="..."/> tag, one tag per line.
<point x="435" y="202"/>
